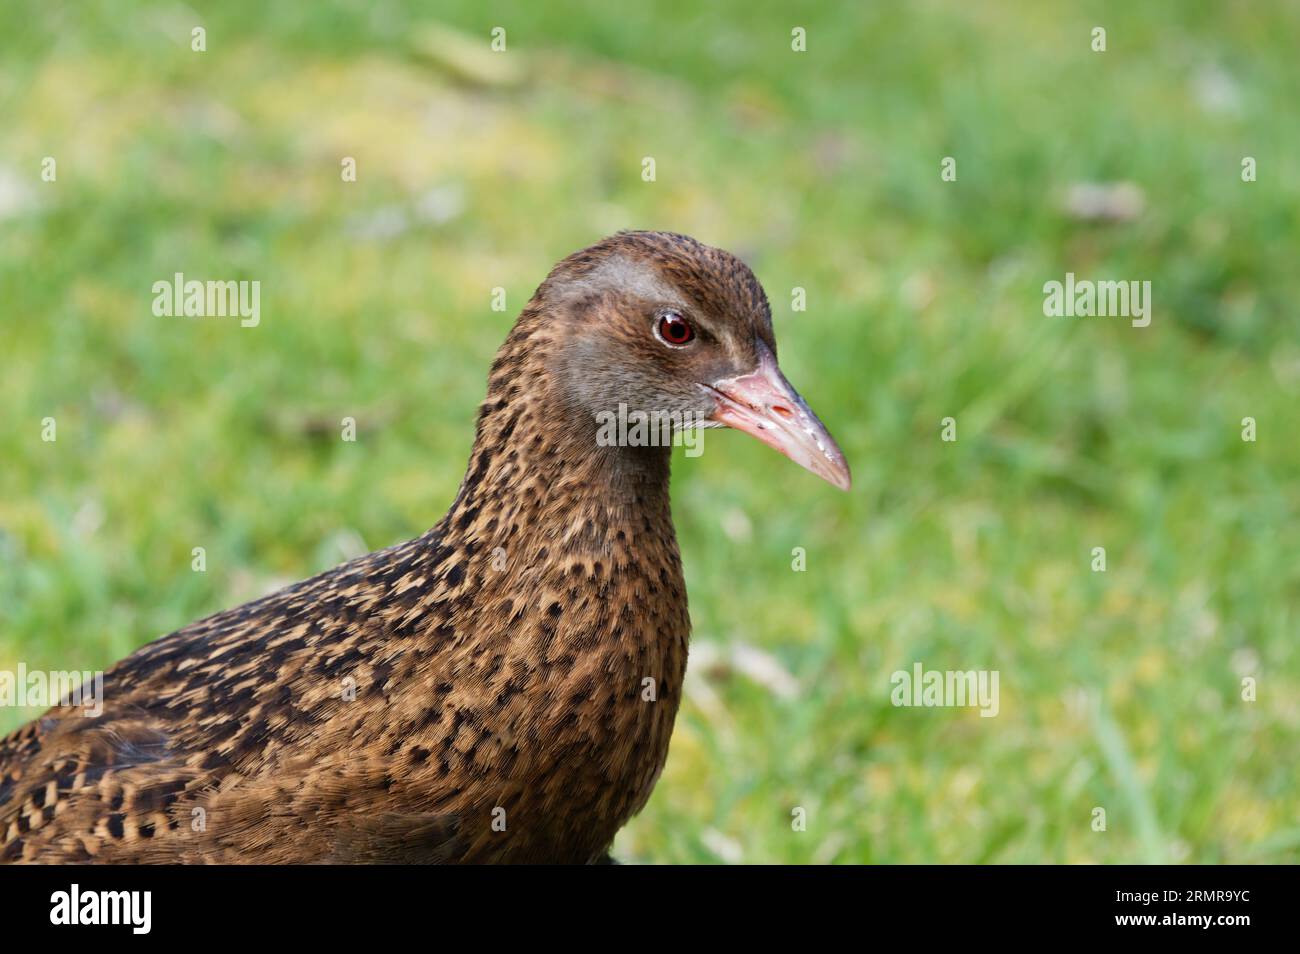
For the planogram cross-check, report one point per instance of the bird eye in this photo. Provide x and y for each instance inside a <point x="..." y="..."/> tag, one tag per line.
<point x="674" y="329"/>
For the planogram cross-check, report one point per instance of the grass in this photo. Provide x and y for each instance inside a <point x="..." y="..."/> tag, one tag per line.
<point x="1119" y="690"/>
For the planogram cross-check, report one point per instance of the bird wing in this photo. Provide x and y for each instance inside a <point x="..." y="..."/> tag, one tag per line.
<point x="70" y="784"/>
<point x="226" y="737"/>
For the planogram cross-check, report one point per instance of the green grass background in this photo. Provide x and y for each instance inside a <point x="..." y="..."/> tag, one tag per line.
<point x="1119" y="690"/>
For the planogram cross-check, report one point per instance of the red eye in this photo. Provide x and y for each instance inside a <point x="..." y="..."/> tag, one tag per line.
<point x="675" y="330"/>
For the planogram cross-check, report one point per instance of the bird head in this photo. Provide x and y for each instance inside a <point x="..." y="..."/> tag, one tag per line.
<point x="658" y="324"/>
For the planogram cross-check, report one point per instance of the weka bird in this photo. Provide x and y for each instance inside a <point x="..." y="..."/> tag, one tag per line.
<point x="480" y="693"/>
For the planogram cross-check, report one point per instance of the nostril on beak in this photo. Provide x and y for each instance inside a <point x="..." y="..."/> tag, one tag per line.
<point x="783" y="411"/>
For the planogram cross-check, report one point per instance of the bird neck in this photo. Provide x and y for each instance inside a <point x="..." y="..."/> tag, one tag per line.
<point x="538" y="475"/>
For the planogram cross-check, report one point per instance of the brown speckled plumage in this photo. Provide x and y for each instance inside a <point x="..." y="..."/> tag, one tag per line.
<point x="391" y="708"/>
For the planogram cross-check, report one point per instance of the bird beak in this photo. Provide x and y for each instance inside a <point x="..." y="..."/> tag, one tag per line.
<point x="764" y="405"/>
